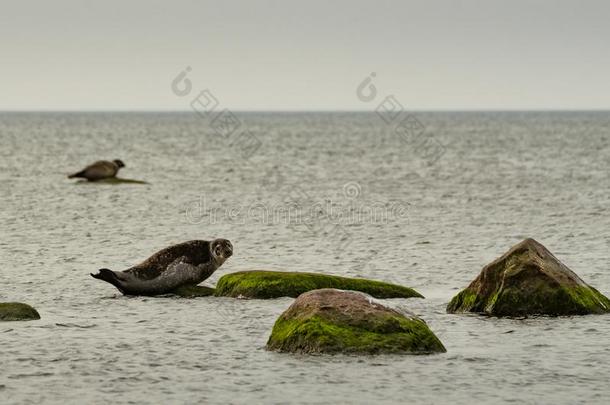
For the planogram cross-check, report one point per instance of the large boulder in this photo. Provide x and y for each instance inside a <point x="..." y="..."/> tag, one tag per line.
<point x="275" y="284"/>
<point x="529" y="280"/>
<point x="16" y="311"/>
<point x="337" y="321"/>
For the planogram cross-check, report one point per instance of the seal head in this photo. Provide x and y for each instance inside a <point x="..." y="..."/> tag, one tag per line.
<point x="221" y="250"/>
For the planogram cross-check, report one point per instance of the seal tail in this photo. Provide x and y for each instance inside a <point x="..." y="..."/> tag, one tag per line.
<point x="78" y="174"/>
<point x="108" y="276"/>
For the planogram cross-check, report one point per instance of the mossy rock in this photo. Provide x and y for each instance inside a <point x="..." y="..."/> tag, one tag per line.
<point x="337" y="321"/>
<point x="193" y="291"/>
<point x="275" y="284"/>
<point x="16" y="311"/>
<point x="529" y="280"/>
<point x="112" y="180"/>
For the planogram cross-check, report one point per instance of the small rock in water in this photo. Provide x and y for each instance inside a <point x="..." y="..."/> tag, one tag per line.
<point x="16" y="311"/>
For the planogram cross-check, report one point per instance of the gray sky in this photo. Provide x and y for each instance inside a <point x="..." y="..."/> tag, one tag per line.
<point x="306" y="55"/>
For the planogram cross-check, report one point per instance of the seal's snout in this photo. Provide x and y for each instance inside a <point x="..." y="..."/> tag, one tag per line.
<point x="228" y="250"/>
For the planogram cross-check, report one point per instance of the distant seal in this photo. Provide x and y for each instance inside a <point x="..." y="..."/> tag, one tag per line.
<point x="102" y="169"/>
<point x="187" y="263"/>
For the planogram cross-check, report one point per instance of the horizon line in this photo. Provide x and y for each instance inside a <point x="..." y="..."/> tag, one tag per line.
<point x="305" y="111"/>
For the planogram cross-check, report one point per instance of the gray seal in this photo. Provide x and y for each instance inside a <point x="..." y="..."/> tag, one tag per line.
<point x="102" y="169"/>
<point x="184" y="264"/>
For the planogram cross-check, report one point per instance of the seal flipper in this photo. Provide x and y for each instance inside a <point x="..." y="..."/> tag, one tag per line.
<point x="108" y="276"/>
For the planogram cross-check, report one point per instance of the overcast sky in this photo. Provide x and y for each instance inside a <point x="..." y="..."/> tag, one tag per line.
<point x="305" y="55"/>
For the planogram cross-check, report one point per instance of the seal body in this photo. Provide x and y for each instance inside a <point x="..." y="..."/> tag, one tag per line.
<point x="184" y="264"/>
<point x="102" y="169"/>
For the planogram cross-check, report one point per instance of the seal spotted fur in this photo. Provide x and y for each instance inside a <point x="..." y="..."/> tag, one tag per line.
<point x="187" y="263"/>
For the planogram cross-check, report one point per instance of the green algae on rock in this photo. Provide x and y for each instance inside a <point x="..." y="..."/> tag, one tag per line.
<point x="16" y="311"/>
<point x="337" y="321"/>
<point x="193" y="291"/>
<point x="275" y="284"/>
<point x="529" y="280"/>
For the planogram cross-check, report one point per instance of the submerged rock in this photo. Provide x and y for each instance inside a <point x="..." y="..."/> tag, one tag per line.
<point x="336" y="321"/>
<point x="275" y="284"/>
<point x="529" y="280"/>
<point x="192" y="291"/>
<point x="112" y="180"/>
<point x="16" y="311"/>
